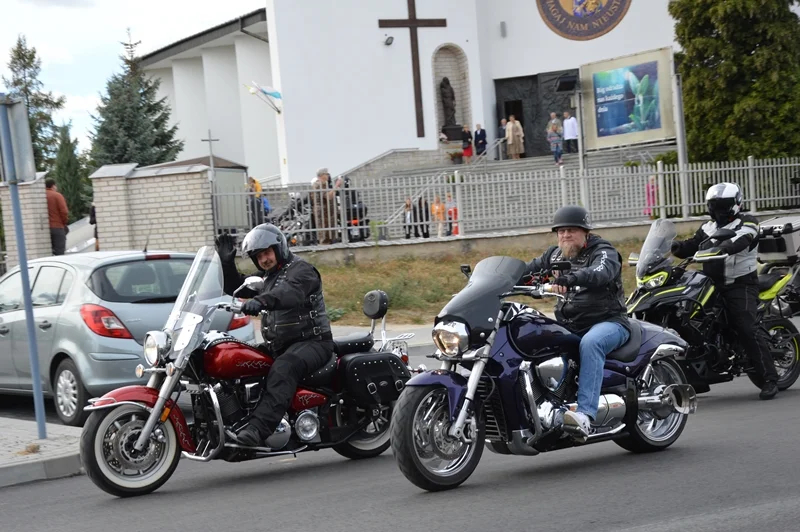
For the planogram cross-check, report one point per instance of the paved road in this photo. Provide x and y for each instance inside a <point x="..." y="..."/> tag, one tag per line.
<point x="735" y="469"/>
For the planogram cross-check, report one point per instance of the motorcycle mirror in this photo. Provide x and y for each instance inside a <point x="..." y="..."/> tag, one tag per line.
<point x="561" y="266"/>
<point x="723" y="234"/>
<point x="633" y="259"/>
<point x="466" y="270"/>
<point x="252" y="283"/>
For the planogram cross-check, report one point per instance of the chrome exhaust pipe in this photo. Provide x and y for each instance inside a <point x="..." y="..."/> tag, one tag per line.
<point x="675" y="398"/>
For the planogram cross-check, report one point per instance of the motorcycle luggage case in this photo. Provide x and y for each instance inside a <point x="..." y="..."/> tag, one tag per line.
<point x="779" y="240"/>
<point x="373" y="378"/>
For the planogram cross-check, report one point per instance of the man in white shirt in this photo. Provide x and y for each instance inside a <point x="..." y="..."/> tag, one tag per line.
<point x="570" y="133"/>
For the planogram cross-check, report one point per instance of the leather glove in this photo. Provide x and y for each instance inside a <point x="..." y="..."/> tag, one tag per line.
<point x="675" y="247"/>
<point x="226" y="248"/>
<point x="252" y="307"/>
<point x="567" y="279"/>
<point x="726" y="247"/>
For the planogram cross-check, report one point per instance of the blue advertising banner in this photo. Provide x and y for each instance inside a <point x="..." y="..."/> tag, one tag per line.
<point x="627" y="99"/>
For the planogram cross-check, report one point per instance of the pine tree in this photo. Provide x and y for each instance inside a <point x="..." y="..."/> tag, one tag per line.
<point x="741" y="71"/>
<point x="132" y="124"/>
<point x="25" y="66"/>
<point x="69" y="176"/>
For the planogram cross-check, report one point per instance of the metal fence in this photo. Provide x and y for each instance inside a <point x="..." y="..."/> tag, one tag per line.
<point x="486" y="201"/>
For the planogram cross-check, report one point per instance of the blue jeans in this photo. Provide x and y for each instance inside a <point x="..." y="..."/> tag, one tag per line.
<point x="557" y="153"/>
<point x="602" y="339"/>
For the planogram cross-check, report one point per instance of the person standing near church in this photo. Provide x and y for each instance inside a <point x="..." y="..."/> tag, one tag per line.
<point x="570" y="133"/>
<point x="480" y="140"/>
<point x="322" y="200"/>
<point x="515" y="137"/>
<point x="59" y="217"/>
<point x="554" y="121"/>
<point x="501" y="134"/>
<point x="466" y="143"/>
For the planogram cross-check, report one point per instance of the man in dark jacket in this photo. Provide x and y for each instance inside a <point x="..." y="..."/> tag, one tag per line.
<point x="296" y="329"/>
<point x="736" y="276"/>
<point x="595" y="310"/>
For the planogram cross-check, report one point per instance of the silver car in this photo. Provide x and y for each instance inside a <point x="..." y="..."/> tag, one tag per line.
<point x="92" y="311"/>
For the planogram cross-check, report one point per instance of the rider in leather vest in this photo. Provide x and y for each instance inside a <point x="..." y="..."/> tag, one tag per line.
<point x="295" y="325"/>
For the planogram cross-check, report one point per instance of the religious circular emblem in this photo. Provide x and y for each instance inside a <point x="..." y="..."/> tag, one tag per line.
<point x="582" y="20"/>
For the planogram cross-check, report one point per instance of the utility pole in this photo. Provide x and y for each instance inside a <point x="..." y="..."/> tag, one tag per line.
<point x="16" y="163"/>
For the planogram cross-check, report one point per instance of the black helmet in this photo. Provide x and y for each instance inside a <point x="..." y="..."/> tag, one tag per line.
<point x="572" y="216"/>
<point x="262" y="237"/>
<point x="724" y="202"/>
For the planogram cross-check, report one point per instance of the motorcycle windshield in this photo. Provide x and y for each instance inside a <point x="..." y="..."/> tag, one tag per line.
<point x="479" y="301"/>
<point x="193" y="310"/>
<point x="656" y="246"/>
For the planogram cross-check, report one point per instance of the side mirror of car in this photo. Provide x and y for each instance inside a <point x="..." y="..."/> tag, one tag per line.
<point x="466" y="270"/>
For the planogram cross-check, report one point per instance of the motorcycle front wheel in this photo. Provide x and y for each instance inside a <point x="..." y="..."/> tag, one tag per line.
<point x="424" y="451"/>
<point x="108" y="456"/>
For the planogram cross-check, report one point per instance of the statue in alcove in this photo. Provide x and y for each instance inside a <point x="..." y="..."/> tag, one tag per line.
<point x="448" y="102"/>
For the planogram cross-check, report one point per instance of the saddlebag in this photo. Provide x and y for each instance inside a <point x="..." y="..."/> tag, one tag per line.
<point x="373" y="378"/>
<point x="779" y="240"/>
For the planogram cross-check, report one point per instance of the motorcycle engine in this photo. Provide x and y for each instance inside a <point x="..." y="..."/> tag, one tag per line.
<point x="229" y="404"/>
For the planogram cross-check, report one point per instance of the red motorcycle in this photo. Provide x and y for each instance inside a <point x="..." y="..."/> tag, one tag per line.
<point x="133" y="439"/>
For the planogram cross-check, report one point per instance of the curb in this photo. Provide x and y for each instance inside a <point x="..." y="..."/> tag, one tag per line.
<point x="65" y="465"/>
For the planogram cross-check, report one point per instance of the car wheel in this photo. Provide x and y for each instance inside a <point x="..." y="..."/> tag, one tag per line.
<point x="69" y="395"/>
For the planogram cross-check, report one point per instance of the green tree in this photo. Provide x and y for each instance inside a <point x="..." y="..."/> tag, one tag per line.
<point x="740" y="67"/>
<point x="132" y="125"/>
<point x="25" y="66"/>
<point x="70" y="176"/>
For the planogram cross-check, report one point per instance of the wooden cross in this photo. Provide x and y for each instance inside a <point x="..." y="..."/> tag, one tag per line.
<point x="412" y="23"/>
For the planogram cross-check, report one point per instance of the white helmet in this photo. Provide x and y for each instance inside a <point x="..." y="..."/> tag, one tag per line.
<point x="724" y="202"/>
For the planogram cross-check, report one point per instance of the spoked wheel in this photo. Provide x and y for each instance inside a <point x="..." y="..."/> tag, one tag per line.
<point x="110" y="460"/>
<point x="784" y="346"/>
<point x="373" y="440"/>
<point x="648" y="431"/>
<point x="425" y="453"/>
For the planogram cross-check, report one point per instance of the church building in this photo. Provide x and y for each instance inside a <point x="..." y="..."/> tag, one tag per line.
<point x="350" y="80"/>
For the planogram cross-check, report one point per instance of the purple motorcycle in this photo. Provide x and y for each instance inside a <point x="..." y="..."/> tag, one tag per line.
<point x="508" y="375"/>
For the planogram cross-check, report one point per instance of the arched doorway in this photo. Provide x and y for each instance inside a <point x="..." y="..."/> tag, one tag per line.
<point x="450" y="61"/>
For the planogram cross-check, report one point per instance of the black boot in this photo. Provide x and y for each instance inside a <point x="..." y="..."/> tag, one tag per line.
<point x="250" y="437"/>
<point x="769" y="390"/>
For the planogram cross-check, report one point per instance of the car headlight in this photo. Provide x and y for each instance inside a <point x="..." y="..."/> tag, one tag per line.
<point x="653" y="281"/>
<point x="451" y="338"/>
<point x="156" y="344"/>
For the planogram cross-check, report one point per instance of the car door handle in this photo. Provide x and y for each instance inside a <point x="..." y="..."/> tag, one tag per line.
<point x="45" y="325"/>
<point x="3" y="330"/>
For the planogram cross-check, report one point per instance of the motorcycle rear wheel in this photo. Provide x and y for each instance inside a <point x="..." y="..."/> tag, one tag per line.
<point x="647" y="434"/>
<point x="419" y="439"/>
<point x="106" y="451"/>
<point x="372" y="441"/>
<point x="792" y="367"/>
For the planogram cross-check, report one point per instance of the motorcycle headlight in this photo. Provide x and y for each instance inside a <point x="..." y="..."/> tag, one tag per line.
<point x="451" y="338"/>
<point x="653" y="281"/>
<point x="156" y="344"/>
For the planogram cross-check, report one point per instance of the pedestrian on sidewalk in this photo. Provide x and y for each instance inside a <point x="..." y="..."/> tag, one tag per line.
<point x="58" y="215"/>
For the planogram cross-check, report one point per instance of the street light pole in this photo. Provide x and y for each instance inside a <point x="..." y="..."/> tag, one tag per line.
<point x="9" y="164"/>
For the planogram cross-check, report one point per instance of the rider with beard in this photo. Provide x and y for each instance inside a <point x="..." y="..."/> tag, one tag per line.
<point x="736" y="277"/>
<point x="295" y="328"/>
<point x="596" y="311"/>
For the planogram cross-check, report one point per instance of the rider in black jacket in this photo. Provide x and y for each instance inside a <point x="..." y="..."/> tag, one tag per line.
<point x="596" y="311"/>
<point x="736" y="276"/>
<point x="296" y="329"/>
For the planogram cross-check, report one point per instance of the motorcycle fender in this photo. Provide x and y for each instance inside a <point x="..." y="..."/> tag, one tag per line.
<point x="455" y="384"/>
<point x="146" y="398"/>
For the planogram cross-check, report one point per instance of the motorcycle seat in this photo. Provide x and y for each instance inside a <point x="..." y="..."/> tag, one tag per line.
<point x="324" y="375"/>
<point x="353" y="343"/>
<point x="630" y="349"/>
<point x="768" y="280"/>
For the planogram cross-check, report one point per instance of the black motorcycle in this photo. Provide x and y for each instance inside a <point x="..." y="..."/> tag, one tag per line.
<point x="687" y="301"/>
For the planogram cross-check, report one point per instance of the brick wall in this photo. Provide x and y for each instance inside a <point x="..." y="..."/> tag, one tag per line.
<point x="174" y="210"/>
<point x="35" y="222"/>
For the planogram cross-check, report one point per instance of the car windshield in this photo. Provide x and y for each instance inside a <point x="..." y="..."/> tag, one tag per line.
<point x="656" y="246"/>
<point x="201" y="291"/>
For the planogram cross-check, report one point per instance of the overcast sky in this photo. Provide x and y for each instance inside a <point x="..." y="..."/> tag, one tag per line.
<point x="78" y="41"/>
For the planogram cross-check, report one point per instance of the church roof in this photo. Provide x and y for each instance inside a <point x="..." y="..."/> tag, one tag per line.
<point x="206" y="36"/>
<point x="219" y="162"/>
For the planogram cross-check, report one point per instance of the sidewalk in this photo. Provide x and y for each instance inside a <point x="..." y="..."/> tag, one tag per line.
<point x="25" y="458"/>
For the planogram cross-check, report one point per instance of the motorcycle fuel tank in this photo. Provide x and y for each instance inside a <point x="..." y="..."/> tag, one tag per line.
<point x="235" y="360"/>
<point x="536" y="336"/>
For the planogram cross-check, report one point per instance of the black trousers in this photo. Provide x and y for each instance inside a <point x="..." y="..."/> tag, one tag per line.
<point x="297" y="362"/>
<point x="741" y="301"/>
<point x="571" y="146"/>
